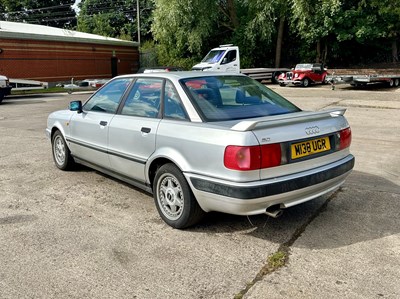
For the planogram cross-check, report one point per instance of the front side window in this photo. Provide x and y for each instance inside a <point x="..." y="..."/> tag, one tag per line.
<point x="221" y="98"/>
<point x="230" y="56"/>
<point x="144" y="98"/>
<point x="107" y="99"/>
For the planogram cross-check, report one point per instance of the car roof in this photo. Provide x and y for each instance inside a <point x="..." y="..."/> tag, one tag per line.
<point x="180" y="75"/>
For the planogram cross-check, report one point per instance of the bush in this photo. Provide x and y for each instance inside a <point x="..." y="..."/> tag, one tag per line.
<point x="152" y="54"/>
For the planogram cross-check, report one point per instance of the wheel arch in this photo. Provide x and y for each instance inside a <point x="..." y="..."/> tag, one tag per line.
<point x="56" y="127"/>
<point x="162" y="158"/>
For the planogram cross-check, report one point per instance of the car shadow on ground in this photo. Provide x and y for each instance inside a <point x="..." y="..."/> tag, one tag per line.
<point x="370" y="87"/>
<point x="366" y="207"/>
<point x="20" y="102"/>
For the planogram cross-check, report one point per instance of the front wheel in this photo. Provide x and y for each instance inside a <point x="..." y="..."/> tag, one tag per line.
<point x="275" y="77"/>
<point x="305" y="82"/>
<point x="1" y="97"/>
<point x="61" y="154"/>
<point x="174" y="200"/>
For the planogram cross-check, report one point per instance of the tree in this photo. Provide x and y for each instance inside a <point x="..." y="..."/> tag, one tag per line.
<point x="314" y="20"/>
<point x="389" y="22"/>
<point x="373" y="24"/>
<point x="184" y="28"/>
<point x="115" y="18"/>
<point x="55" y="13"/>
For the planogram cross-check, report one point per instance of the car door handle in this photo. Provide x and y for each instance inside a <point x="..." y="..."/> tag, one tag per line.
<point x="103" y="123"/>
<point x="145" y="130"/>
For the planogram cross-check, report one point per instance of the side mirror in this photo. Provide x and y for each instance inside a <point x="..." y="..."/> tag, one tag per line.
<point x="75" y="106"/>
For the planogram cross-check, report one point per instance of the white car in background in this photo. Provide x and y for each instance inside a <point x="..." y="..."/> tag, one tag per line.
<point x="5" y="87"/>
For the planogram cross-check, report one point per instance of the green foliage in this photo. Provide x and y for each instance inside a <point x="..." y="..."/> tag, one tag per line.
<point x="182" y="26"/>
<point x="181" y="32"/>
<point x="165" y="58"/>
<point x="277" y="260"/>
<point x="55" y="13"/>
<point x="314" y="19"/>
<point x="115" y="18"/>
<point x="186" y="28"/>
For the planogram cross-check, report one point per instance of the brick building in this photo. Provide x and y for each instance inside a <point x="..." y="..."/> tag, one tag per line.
<point x="43" y="53"/>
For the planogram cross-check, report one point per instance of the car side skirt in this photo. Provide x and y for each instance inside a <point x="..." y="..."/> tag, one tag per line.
<point x="116" y="175"/>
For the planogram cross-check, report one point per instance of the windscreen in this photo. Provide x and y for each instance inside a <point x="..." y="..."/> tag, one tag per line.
<point x="303" y="66"/>
<point x="214" y="56"/>
<point x="221" y="98"/>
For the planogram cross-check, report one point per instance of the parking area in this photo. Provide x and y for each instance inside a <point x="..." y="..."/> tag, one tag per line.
<point x="82" y="234"/>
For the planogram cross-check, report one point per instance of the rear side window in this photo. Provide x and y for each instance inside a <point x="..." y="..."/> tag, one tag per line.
<point x="173" y="107"/>
<point x="234" y="97"/>
<point x="107" y="98"/>
<point x="144" y="98"/>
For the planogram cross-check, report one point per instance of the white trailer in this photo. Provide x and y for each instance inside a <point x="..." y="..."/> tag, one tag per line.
<point x="22" y="84"/>
<point x="392" y="80"/>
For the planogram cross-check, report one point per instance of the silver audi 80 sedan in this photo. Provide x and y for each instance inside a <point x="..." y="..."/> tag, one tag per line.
<point x="202" y="142"/>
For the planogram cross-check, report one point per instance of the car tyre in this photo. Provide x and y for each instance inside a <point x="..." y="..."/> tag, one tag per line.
<point x="282" y="84"/>
<point x="391" y="83"/>
<point x="174" y="199"/>
<point x="396" y="82"/>
<point x="275" y="77"/>
<point x="1" y="97"/>
<point x="305" y="82"/>
<point x="61" y="153"/>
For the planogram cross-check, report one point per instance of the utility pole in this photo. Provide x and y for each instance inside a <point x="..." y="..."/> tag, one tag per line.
<point x="138" y="20"/>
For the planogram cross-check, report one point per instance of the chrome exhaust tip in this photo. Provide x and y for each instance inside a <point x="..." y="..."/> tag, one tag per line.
<point x="274" y="211"/>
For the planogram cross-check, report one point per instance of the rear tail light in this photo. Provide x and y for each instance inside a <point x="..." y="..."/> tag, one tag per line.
<point x="271" y="155"/>
<point x="252" y="157"/>
<point x="345" y="138"/>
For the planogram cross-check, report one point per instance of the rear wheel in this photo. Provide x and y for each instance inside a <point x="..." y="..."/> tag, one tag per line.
<point x="1" y="97"/>
<point x="391" y="83"/>
<point x="174" y="200"/>
<point x="61" y="153"/>
<point x="396" y="82"/>
<point x="305" y="82"/>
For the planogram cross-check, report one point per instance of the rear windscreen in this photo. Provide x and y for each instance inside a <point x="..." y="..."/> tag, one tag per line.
<point x="234" y="97"/>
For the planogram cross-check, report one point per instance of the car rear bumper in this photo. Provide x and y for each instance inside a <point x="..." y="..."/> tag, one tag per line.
<point x="253" y="198"/>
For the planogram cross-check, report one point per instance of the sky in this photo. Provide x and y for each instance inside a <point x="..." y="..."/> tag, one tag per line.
<point x="75" y="6"/>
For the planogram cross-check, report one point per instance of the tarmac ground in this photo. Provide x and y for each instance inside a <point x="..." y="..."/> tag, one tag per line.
<point x="82" y="234"/>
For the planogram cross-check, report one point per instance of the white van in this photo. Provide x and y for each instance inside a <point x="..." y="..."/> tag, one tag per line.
<point x="225" y="58"/>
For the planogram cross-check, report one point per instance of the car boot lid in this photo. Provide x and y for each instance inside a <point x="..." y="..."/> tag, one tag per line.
<point x="278" y="120"/>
